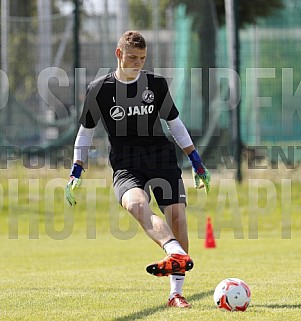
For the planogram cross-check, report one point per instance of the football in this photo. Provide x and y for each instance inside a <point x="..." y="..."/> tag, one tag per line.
<point x="232" y="294"/>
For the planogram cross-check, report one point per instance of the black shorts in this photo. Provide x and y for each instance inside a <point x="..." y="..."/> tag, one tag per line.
<point x="166" y="185"/>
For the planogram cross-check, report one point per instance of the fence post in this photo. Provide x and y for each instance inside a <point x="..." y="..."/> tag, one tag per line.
<point x="233" y="52"/>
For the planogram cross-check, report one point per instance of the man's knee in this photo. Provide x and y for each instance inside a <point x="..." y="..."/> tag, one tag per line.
<point x="177" y="211"/>
<point x="136" y="203"/>
<point x="135" y="207"/>
<point x="176" y="214"/>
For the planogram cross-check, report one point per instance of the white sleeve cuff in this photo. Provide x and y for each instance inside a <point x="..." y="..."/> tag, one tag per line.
<point x="82" y="143"/>
<point x="179" y="132"/>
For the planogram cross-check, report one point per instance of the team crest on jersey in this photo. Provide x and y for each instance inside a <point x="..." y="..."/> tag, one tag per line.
<point x="117" y="113"/>
<point x="148" y="96"/>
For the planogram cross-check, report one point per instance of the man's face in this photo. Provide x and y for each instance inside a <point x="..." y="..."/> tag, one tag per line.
<point x="131" y="61"/>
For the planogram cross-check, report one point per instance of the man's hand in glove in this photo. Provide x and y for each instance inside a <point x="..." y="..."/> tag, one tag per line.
<point x="73" y="183"/>
<point x="201" y="174"/>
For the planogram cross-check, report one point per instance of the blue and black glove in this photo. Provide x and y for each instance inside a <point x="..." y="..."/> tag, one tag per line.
<point x="200" y="173"/>
<point x="73" y="183"/>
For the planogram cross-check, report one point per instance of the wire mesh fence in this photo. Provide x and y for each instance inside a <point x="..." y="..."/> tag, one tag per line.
<point x="37" y="65"/>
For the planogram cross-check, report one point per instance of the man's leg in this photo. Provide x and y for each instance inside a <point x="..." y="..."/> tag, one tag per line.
<point x="135" y="200"/>
<point x="176" y="219"/>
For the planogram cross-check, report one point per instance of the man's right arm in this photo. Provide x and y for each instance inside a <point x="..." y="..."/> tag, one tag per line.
<point x="82" y="144"/>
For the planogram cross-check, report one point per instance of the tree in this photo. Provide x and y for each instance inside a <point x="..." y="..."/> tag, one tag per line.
<point x="24" y="8"/>
<point x="20" y="49"/>
<point x="141" y="13"/>
<point x="22" y="44"/>
<point x="207" y="16"/>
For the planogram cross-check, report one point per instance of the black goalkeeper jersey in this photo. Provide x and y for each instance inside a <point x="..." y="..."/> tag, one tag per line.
<point x="131" y="113"/>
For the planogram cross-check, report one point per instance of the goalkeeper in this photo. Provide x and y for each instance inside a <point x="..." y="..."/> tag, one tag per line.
<point x="130" y="103"/>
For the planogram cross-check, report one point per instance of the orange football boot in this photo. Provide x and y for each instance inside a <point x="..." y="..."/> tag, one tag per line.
<point x="172" y="263"/>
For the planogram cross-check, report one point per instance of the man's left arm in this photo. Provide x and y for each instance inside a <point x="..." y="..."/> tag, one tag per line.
<point x="180" y="134"/>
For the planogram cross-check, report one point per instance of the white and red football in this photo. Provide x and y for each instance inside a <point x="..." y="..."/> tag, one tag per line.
<point x="232" y="294"/>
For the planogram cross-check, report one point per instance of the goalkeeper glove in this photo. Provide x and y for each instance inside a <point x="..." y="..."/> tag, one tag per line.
<point x="201" y="174"/>
<point x="73" y="183"/>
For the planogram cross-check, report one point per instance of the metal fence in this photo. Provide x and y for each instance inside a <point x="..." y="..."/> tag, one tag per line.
<point x="37" y="67"/>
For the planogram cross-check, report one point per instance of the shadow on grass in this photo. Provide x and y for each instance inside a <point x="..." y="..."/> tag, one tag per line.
<point x="149" y="311"/>
<point x="279" y="306"/>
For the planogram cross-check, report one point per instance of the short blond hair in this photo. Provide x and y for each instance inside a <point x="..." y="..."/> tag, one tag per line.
<point x="133" y="39"/>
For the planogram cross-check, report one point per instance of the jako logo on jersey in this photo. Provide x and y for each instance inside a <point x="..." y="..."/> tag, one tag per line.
<point x="140" y="110"/>
<point x="117" y="113"/>
<point x="148" y="96"/>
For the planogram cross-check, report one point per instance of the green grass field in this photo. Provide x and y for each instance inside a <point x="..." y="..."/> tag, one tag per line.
<point x="59" y="263"/>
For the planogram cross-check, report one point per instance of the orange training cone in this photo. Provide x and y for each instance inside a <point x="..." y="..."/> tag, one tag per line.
<point x="209" y="241"/>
